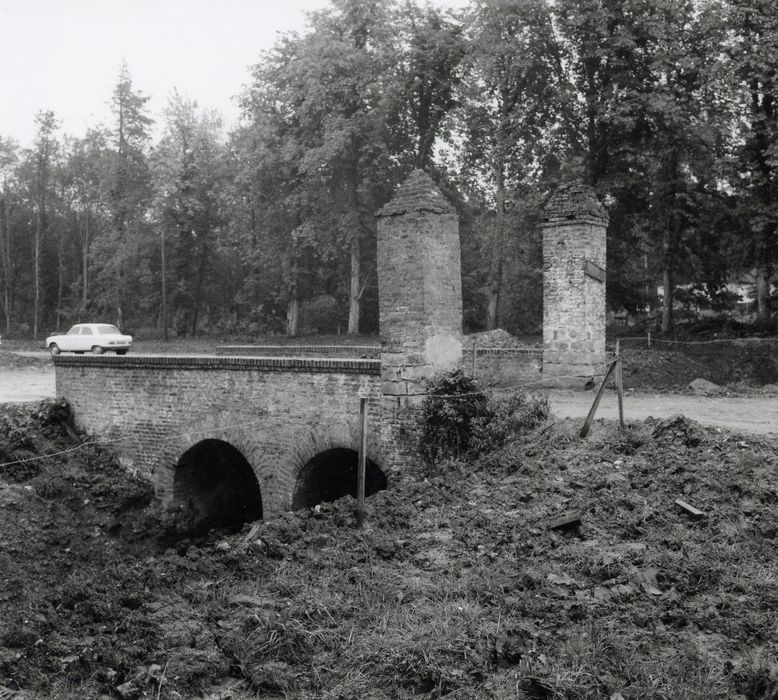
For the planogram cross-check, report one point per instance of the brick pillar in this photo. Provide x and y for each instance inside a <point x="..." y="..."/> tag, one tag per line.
<point x="419" y="285"/>
<point x="574" y="272"/>
<point x="419" y="303"/>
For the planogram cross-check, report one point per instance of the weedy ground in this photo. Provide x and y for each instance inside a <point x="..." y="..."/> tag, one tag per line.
<point x="456" y="588"/>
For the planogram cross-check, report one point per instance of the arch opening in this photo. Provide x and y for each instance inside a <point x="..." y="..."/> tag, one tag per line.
<point x="332" y="474"/>
<point x="214" y="485"/>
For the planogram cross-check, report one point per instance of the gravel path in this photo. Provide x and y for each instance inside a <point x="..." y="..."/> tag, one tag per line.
<point x="749" y="414"/>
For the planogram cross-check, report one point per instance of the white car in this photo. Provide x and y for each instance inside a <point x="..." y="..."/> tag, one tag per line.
<point x="90" y="337"/>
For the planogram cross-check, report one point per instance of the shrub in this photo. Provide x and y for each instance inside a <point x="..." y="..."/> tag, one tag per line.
<point x="453" y="403"/>
<point x="508" y="416"/>
<point x="460" y="419"/>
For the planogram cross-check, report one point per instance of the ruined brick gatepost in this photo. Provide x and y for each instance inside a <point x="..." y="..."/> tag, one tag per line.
<point x="574" y="274"/>
<point x="420" y="303"/>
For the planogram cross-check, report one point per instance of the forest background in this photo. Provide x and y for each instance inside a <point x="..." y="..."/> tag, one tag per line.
<point x="666" y="107"/>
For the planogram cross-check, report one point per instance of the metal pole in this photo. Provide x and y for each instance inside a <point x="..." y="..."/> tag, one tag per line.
<point x="619" y="387"/>
<point x="649" y="337"/>
<point x="362" y="462"/>
<point x="593" y="409"/>
<point x="473" y="370"/>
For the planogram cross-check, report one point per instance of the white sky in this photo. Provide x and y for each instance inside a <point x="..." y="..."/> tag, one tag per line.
<point x="65" y="55"/>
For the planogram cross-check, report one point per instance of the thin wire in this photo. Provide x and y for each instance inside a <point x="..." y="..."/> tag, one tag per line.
<point x="126" y="438"/>
<point x="512" y="387"/>
<point x="697" y="342"/>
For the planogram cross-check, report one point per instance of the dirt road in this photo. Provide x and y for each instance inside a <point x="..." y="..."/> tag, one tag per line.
<point x="752" y="414"/>
<point x="26" y="384"/>
<point x="748" y="414"/>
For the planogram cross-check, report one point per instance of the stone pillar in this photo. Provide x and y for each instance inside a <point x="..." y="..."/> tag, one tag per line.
<point x="419" y="285"/>
<point x="419" y="305"/>
<point x="574" y="272"/>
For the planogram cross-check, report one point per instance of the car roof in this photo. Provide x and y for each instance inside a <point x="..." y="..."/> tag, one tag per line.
<point x="92" y="325"/>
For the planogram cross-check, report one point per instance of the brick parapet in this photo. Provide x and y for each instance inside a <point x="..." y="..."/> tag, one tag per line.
<point x="360" y="351"/>
<point x="203" y="363"/>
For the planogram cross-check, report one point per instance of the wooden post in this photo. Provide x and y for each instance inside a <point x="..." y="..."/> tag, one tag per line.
<point x="649" y="337"/>
<point x="362" y="462"/>
<point x="619" y="386"/>
<point x="593" y="409"/>
<point x="473" y="365"/>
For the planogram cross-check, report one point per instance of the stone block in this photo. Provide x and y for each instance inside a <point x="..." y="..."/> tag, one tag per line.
<point x="394" y="388"/>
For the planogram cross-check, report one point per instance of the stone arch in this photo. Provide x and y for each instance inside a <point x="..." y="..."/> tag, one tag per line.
<point x="214" y="483"/>
<point x="332" y="474"/>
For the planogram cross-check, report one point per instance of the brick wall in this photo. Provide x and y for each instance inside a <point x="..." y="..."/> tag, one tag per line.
<point x="278" y="412"/>
<point x="505" y="366"/>
<point x="574" y="264"/>
<point x="290" y="350"/>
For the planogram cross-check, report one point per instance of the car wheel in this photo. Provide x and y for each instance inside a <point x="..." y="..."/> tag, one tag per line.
<point x="97" y="350"/>
<point x="54" y="349"/>
<point x="121" y="352"/>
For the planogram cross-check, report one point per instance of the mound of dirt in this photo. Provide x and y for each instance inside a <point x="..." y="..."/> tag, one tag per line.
<point x="497" y="338"/>
<point x="459" y="586"/>
<point x="738" y="365"/>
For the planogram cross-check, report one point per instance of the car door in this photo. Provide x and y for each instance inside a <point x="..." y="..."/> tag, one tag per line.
<point x="86" y="339"/>
<point x="70" y="341"/>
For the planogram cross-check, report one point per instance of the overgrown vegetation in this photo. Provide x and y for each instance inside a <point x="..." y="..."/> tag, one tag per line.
<point x="453" y="403"/>
<point x="459" y="419"/>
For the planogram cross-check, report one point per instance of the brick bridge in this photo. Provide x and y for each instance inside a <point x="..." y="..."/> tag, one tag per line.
<point x="238" y="438"/>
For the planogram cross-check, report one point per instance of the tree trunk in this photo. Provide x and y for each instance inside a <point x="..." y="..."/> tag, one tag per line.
<point x="164" y="287"/>
<point x="60" y="280"/>
<point x="494" y="281"/>
<point x="293" y="309"/>
<point x="354" y="286"/>
<point x="85" y="262"/>
<point x="762" y="295"/>
<point x="667" y="297"/>
<point x="199" y="285"/>
<point x="5" y="251"/>
<point x="36" y="272"/>
<point x="292" y="314"/>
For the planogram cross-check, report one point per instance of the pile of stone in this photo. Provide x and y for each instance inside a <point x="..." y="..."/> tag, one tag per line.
<point x="498" y="338"/>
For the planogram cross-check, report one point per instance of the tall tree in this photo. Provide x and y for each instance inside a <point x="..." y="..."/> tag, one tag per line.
<point x="188" y="169"/>
<point x="128" y="196"/>
<point x="8" y="185"/>
<point x="44" y="153"/>
<point x="638" y="81"/>
<point x="507" y="114"/>
<point x="430" y="66"/>
<point x="84" y="172"/>
<point x="754" y="54"/>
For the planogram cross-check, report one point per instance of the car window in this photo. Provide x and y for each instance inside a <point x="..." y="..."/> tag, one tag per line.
<point x="86" y="330"/>
<point x="107" y="330"/>
<point x="74" y="331"/>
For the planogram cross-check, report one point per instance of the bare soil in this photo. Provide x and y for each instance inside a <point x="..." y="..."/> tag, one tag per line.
<point x="458" y="587"/>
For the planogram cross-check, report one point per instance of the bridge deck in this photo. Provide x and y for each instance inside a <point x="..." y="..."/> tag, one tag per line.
<point x="317" y="365"/>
